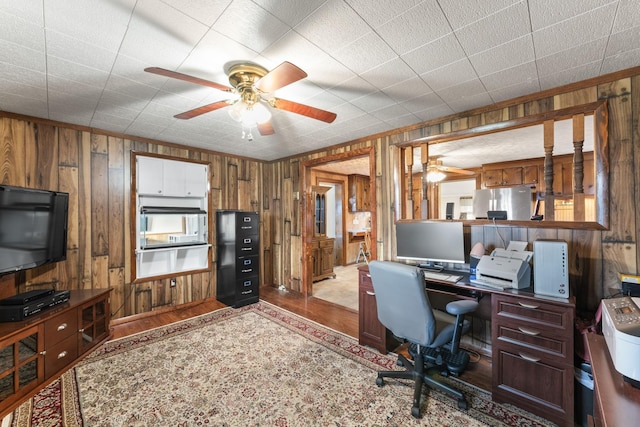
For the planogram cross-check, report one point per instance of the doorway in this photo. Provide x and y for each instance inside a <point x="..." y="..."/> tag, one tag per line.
<point x="334" y="171"/>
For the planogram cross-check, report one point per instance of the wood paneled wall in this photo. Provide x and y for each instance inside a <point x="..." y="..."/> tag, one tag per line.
<point x="596" y="256"/>
<point x="95" y="169"/>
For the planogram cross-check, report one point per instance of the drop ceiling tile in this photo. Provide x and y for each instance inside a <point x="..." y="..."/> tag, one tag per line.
<point x="434" y="112"/>
<point x="383" y="11"/>
<point x="463" y="94"/>
<point x="18" y="31"/>
<point x="571" y="58"/>
<point x="570" y="75"/>
<point x="96" y="22"/>
<point x="250" y="25"/>
<point x="495" y="29"/>
<point x="450" y="75"/>
<point x="623" y="41"/>
<point x="129" y="87"/>
<point x="571" y="32"/>
<point x="519" y="89"/>
<point x="204" y="11"/>
<point x="422" y="102"/>
<point x="24" y="105"/>
<point x="332" y="26"/>
<point x="388" y="74"/>
<point x="436" y="54"/>
<point x="420" y="25"/>
<point x="365" y="53"/>
<point x="505" y="56"/>
<point x="628" y="59"/>
<point x="291" y="12"/>
<point x="390" y="112"/>
<point x="459" y="104"/>
<point x="296" y="49"/>
<point x="102" y="120"/>
<point x="372" y="102"/>
<point x="627" y="16"/>
<point x="30" y="11"/>
<point x="11" y="87"/>
<point x="527" y="72"/>
<point x="22" y="57"/>
<point x="472" y="11"/>
<point x="210" y="55"/>
<point x="413" y="87"/>
<point x="132" y="105"/>
<point x="545" y="13"/>
<point x="84" y="54"/>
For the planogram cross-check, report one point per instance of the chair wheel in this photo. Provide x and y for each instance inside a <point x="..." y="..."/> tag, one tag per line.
<point x="462" y="404"/>
<point x="415" y="412"/>
<point x="398" y="362"/>
<point x="379" y="382"/>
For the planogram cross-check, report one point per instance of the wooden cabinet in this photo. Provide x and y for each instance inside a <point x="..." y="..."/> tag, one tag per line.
<point x="359" y="200"/>
<point x="532" y="354"/>
<point x="36" y="350"/>
<point x="502" y="177"/>
<point x="323" y="258"/>
<point x="370" y="331"/>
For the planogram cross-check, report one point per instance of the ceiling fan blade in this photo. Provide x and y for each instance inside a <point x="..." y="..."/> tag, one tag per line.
<point x="265" y="128"/>
<point x="187" y="78"/>
<point x="201" y="110"/>
<point x="304" y="110"/>
<point x="281" y="76"/>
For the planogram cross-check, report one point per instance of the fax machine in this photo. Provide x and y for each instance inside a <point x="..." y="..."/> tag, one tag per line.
<point x="505" y="268"/>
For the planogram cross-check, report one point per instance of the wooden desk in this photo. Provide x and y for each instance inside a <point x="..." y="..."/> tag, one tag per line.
<point x="616" y="402"/>
<point x="532" y="343"/>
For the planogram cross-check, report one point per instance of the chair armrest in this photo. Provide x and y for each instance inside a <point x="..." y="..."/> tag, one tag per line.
<point x="461" y="307"/>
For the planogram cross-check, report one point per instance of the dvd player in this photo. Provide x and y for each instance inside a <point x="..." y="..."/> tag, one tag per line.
<point x="17" y="312"/>
<point x="26" y="297"/>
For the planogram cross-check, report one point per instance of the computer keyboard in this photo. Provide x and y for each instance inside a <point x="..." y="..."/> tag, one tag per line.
<point x="496" y="286"/>
<point x="441" y="277"/>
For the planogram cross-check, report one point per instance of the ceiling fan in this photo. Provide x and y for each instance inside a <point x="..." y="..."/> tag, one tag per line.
<point x="251" y="87"/>
<point x="436" y="171"/>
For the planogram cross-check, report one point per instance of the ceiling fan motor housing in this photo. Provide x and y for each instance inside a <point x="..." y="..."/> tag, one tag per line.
<point x="242" y="77"/>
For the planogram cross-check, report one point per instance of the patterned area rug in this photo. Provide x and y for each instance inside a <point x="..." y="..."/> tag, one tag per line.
<point x="258" y="365"/>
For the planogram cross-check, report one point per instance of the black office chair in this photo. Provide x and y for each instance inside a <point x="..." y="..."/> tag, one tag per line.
<point x="434" y="336"/>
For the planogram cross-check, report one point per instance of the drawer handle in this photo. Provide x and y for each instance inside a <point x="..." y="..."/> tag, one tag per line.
<point x="62" y="327"/>
<point x="246" y="292"/>
<point x="368" y="275"/>
<point x="529" y="358"/>
<point x="529" y="331"/>
<point x="43" y="353"/>
<point x="527" y="305"/>
<point x="81" y="330"/>
<point x="373" y="294"/>
<point x="62" y="355"/>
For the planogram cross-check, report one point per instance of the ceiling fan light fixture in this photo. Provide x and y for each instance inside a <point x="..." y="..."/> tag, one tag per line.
<point x="435" y="176"/>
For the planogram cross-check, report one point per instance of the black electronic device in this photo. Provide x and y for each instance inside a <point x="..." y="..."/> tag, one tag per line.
<point x="15" y="313"/>
<point x="27" y="297"/>
<point x="33" y="227"/>
<point x="430" y="242"/>
<point x="449" y="211"/>
<point x="497" y="214"/>
<point x="631" y="289"/>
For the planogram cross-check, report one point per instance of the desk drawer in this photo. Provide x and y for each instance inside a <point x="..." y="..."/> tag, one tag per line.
<point x="532" y="340"/>
<point x="534" y="313"/>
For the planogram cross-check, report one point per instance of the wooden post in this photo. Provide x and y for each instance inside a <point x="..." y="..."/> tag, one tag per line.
<point x="578" y="168"/>
<point x="424" y="159"/>
<point x="408" y="160"/>
<point x="548" y="171"/>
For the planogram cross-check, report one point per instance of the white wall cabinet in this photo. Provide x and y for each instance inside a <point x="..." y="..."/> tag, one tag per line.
<point x="171" y="178"/>
<point x="171" y="196"/>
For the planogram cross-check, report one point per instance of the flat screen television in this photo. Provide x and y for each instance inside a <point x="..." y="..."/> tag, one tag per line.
<point x="430" y="243"/>
<point x="33" y="227"/>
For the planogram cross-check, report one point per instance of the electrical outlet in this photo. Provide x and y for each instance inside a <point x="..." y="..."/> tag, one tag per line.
<point x="172" y="282"/>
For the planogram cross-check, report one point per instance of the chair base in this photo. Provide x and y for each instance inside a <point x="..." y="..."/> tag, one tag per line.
<point x="442" y="357"/>
<point x="417" y="372"/>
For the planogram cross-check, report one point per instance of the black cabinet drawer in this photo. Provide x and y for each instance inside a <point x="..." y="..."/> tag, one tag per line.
<point x="247" y="266"/>
<point x="247" y="245"/>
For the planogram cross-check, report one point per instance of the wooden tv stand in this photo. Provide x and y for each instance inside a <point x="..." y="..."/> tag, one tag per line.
<point x="37" y="350"/>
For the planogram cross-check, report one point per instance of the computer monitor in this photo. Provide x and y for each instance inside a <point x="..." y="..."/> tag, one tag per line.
<point x="430" y="243"/>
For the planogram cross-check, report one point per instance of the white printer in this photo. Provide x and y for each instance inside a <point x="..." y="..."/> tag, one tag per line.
<point x="621" y="330"/>
<point x="505" y="268"/>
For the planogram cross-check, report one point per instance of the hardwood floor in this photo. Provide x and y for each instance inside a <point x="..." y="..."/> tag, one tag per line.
<point x="324" y="312"/>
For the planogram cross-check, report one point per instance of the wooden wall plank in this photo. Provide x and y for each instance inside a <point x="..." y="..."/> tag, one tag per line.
<point x="13" y="149"/>
<point x="99" y="204"/>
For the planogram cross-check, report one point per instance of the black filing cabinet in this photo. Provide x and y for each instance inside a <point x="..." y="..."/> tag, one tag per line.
<point x="238" y="251"/>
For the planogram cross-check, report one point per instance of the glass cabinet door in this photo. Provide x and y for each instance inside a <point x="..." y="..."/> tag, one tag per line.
<point x="94" y="323"/>
<point x="20" y="363"/>
<point x="320" y="210"/>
